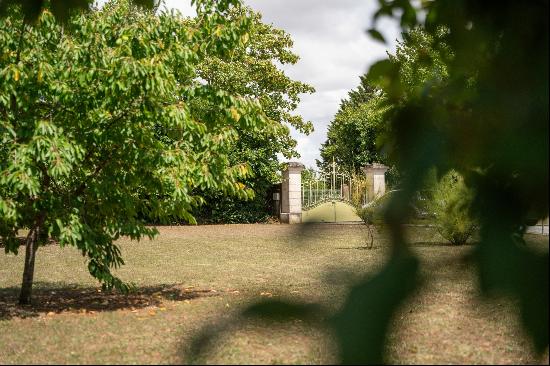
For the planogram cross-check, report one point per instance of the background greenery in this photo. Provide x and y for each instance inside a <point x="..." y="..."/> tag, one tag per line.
<point x="252" y="70"/>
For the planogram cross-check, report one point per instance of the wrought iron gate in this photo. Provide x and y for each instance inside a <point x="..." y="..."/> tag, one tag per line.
<point x="319" y="187"/>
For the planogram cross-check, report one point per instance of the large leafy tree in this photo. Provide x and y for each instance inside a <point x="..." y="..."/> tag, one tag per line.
<point x="353" y="133"/>
<point x="99" y="125"/>
<point x="358" y="133"/>
<point x="252" y="70"/>
<point x="61" y="10"/>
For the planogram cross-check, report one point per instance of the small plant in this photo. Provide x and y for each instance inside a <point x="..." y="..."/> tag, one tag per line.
<point x="449" y="204"/>
<point x="365" y="211"/>
<point x="367" y="216"/>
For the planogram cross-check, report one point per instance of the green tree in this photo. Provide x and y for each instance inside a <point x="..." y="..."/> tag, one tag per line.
<point x="61" y="10"/>
<point x="358" y="133"/>
<point x="97" y="126"/>
<point x="251" y="70"/>
<point x="422" y="59"/>
<point x="353" y="133"/>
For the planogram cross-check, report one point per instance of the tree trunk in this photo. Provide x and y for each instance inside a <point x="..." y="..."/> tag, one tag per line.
<point x="28" y="272"/>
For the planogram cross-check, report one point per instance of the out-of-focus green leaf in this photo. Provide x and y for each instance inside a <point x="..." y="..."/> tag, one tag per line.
<point x="384" y="74"/>
<point x="376" y="35"/>
<point x="362" y="324"/>
<point x="473" y="97"/>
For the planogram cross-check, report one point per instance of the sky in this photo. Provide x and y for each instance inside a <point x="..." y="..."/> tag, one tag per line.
<point x="330" y="38"/>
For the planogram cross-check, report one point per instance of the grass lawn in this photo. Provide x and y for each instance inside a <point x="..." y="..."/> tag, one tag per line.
<point x="190" y="278"/>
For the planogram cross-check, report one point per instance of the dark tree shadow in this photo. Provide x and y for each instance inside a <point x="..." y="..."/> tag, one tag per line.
<point x="51" y="297"/>
<point x="421" y="244"/>
<point x="360" y="247"/>
<point x="429" y="244"/>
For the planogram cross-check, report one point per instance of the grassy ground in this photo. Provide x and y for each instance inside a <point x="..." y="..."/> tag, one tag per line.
<point x="192" y="278"/>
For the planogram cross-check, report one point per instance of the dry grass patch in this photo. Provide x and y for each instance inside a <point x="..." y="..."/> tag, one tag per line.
<point x="195" y="278"/>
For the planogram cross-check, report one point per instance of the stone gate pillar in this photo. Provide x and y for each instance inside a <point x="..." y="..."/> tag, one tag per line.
<point x="291" y="194"/>
<point x="376" y="180"/>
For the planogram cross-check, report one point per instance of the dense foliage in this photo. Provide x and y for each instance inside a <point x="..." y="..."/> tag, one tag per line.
<point x="353" y="133"/>
<point x="99" y="125"/>
<point x="449" y="204"/>
<point x="252" y="70"/>
<point x="62" y="10"/>
<point x="358" y="134"/>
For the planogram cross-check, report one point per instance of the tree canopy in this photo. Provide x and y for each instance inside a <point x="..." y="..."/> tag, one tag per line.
<point x="359" y="133"/>
<point x="252" y="70"/>
<point x="98" y="125"/>
<point x="353" y="133"/>
<point x="61" y="10"/>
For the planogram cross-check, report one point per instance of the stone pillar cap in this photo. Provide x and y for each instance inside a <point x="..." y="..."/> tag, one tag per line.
<point x="295" y="164"/>
<point x="376" y="166"/>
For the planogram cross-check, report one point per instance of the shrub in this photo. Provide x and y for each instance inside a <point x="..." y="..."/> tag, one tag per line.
<point x="449" y="204"/>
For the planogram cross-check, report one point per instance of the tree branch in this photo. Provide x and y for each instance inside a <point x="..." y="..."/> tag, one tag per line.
<point x="82" y="187"/>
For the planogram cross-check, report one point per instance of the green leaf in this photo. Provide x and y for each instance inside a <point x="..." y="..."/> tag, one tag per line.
<point x="376" y="35"/>
<point x="362" y="324"/>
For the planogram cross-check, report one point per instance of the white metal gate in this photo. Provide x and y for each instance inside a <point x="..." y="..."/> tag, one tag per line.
<point x="333" y="185"/>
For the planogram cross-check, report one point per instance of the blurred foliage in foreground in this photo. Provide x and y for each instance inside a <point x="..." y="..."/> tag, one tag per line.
<point x="486" y="118"/>
<point x="61" y="10"/>
<point x="449" y="202"/>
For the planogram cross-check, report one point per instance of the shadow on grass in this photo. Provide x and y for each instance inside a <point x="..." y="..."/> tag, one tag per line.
<point x="51" y="297"/>
<point x="440" y="244"/>
<point x="360" y="247"/>
<point x="422" y="244"/>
